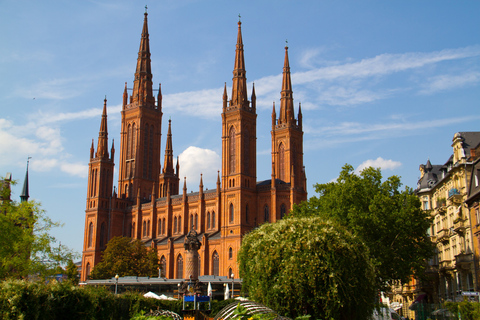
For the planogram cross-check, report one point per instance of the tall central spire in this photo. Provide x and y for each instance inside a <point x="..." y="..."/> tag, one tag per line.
<point x="142" y="85"/>
<point x="286" y="100"/>
<point x="239" y="87"/>
<point x="102" y="148"/>
<point x="168" y="164"/>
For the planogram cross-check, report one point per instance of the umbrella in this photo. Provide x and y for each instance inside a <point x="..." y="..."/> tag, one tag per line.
<point x="150" y="294"/>
<point x="209" y="290"/>
<point x="227" y="292"/>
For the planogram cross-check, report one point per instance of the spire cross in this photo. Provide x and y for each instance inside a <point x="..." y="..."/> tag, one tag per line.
<point x="146" y="8"/>
<point x="239" y="17"/>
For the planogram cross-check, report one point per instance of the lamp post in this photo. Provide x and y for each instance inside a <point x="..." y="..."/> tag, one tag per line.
<point x="178" y="290"/>
<point x="233" y="290"/>
<point x="116" y="283"/>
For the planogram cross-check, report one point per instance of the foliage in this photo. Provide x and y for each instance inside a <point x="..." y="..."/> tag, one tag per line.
<point x="126" y="257"/>
<point x="390" y="221"/>
<point x="72" y="272"/>
<point x="35" y="300"/>
<point x="26" y="247"/>
<point x="310" y="266"/>
<point x="466" y="310"/>
<point x="242" y="313"/>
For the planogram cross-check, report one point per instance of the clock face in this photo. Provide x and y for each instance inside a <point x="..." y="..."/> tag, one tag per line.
<point x="431" y="183"/>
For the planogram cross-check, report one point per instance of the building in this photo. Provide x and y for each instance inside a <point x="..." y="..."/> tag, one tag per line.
<point x="148" y="205"/>
<point x="443" y="191"/>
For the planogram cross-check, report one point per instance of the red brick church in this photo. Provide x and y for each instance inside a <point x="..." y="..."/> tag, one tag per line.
<point x="148" y="204"/>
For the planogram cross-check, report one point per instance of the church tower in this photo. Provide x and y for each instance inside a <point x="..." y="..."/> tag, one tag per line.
<point x="287" y="139"/>
<point x="239" y="129"/>
<point x="140" y="130"/>
<point x="99" y="193"/>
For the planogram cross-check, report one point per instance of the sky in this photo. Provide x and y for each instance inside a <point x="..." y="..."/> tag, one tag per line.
<point x="381" y="83"/>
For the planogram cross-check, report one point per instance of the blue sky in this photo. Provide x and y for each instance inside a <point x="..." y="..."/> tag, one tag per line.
<point x="383" y="83"/>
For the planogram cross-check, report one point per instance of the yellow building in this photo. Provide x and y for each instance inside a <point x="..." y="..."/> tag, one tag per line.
<point x="443" y="190"/>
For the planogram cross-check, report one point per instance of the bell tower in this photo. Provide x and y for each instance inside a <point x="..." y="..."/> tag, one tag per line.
<point x="140" y="129"/>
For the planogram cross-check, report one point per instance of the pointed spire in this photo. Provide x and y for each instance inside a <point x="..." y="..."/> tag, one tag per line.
<point x="239" y="87"/>
<point x="92" y="150"/>
<point x="274" y="116"/>
<point x="218" y="181"/>
<point x="102" y="147"/>
<point x="142" y="85"/>
<point x="159" y="97"/>
<point x="201" y="181"/>
<point x="225" y="98"/>
<point x="286" y="100"/>
<point x="300" y="116"/>
<point x="428" y="166"/>
<point x="184" y="185"/>
<point x="125" y="96"/>
<point x="25" y="191"/>
<point x="112" y="151"/>
<point x="177" y="172"/>
<point x="254" y="97"/>
<point x="168" y="164"/>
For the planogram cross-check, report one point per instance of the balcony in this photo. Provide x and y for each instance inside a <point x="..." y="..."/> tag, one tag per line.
<point x="442" y="208"/>
<point x="463" y="260"/>
<point x="443" y="235"/>
<point x="445" y="265"/>
<point x="459" y="225"/>
<point x="454" y="196"/>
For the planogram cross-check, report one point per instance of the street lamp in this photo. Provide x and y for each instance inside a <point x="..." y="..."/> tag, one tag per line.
<point x="116" y="283"/>
<point x="178" y="290"/>
<point x="233" y="290"/>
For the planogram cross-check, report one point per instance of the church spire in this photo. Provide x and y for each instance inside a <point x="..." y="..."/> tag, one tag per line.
<point x="239" y="87"/>
<point x="142" y="85"/>
<point x="25" y="193"/>
<point x="102" y="147"/>
<point x="286" y="100"/>
<point x="168" y="164"/>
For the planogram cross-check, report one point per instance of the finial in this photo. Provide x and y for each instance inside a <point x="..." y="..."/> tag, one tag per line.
<point x="239" y="17"/>
<point x="146" y="8"/>
<point x="286" y="44"/>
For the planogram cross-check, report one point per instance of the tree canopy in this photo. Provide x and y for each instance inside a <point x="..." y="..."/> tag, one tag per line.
<point x="389" y="220"/>
<point x="309" y="266"/>
<point x="26" y="246"/>
<point x="126" y="257"/>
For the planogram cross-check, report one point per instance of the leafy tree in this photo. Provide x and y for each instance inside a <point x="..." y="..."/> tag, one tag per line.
<point x="72" y="272"/>
<point x="389" y="221"/>
<point x="309" y="266"/>
<point x="126" y="257"/>
<point x="26" y="247"/>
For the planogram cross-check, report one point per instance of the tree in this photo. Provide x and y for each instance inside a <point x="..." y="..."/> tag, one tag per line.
<point x="26" y="247"/>
<point x="72" y="272"/>
<point x="126" y="257"/>
<point x="309" y="266"/>
<point x="390" y="221"/>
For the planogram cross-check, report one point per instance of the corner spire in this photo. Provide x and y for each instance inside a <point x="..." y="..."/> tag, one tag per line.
<point x="25" y="193"/>
<point x="286" y="100"/>
<point x="168" y="164"/>
<point x="239" y="87"/>
<point x="102" y="147"/>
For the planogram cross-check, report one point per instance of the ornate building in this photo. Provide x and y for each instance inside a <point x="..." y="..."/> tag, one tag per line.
<point x="148" y="205"/>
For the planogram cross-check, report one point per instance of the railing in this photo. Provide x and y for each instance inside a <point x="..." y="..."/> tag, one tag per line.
<point x="463" y="259"/>
<point x="459" y="225"/>
<point x="443" y="235"/>
<point x="445" y="265"/>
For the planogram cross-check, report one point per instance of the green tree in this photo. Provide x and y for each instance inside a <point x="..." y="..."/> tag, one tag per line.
<point x="389" y="220"/>
<point x="309" y="266"/>
<point x="72" y="272"/>
<point x="26" y="246"/>
<point x="126" y="257"/>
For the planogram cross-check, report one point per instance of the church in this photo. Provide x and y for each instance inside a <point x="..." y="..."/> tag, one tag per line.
<point x="148" y="205"/>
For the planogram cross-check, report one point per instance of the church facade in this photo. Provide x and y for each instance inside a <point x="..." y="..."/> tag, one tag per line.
<point x="148" y="205"/>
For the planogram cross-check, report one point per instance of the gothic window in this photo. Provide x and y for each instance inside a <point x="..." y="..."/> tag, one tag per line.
<point x="129" y="142"/>
<point x="231" y="140"/>
<point x="208" y="220"/>
<point x="175" y="225"/>
<point x="130" y="190"/>
<point x="150" y="156"/>
<point x="196" y="221"/>
<point x="90" y="234"/>
<point x="148" y="228"/>
<point x="246" y="152"/>
<point x="179" y="224"/>
<point x="230" y="253"/>
<point x="283" y="210"/>
<point x="231" y="212"/>
<point x="230" y="274"/>
<point x="163" y="266"/>
<point x="144" y="228"/>
<point x="215" y="264"/>
<point x="191" y="222"/>
<point x="266" y="214"/>
<point x="159" y="228"/>
<point x="213" y="219"/>
<point x="134" y="141"/>
<point x="145" y="152"/>
<point x="103" y="235"/>
<point x="179" y="267"/>
<point x="163" y="226"/>
<point x="281" y="162"/>
<point x="87" y="270"/>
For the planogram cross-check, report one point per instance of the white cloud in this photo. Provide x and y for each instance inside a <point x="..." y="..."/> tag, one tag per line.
<point x="381" y="163"/>
<point x="195" y="161"/>
<point x="448" y="82"/>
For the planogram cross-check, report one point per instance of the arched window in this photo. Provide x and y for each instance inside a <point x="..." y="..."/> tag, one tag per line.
<point x="231" y="142"/>
<point x="163" y="226"/>
<point x="150" y="156"/>
<point x="246" y="152"/>
<point x="144" y="228"/>
<point x="145" y="151"/>
<point x="87" y="270"/>
<point x="175" y="225"/>
<point x="179" y="267"/>
<point x="232" y="213"/>
<point x="180" y="224"/>
<point x="213" y="219"/>
<point x="159" y="228"/>
<point x="148" y="228"/>
<point x="266" y="214"/>
<point x="230" y="253"/>
<point x="90" y="234"/>
<point x="283" y="210"/>
<point x="103" y="235"/>
<point x="163" y="266"/>
<point x="208" y="220"/>
<point x="281" y="162"/>
<point x="246" y="213"/>
<point x="230" y="273"/>
<point x="134" y="141"/>
<point x="191" y="222"/>
<point x="133" y="230"/>
<point x="129" y="142"/>
<point x="196" y="221"/>
<point x="215" y="264"/>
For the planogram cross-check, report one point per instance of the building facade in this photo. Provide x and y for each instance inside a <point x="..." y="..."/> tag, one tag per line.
<point x="148" y="204"/>
<point x="443" y="191"/>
